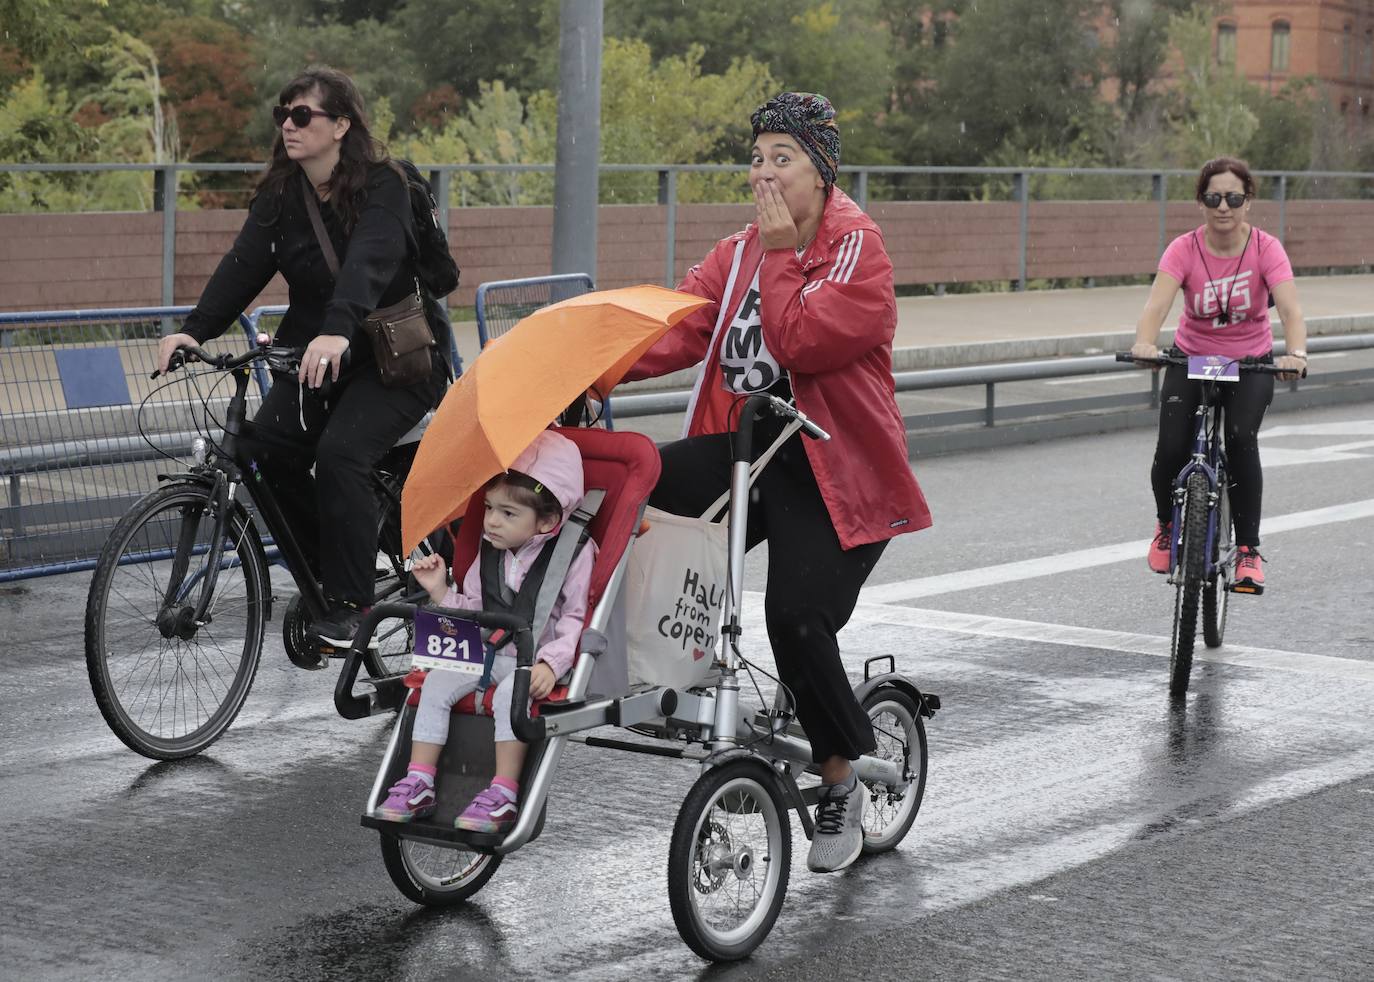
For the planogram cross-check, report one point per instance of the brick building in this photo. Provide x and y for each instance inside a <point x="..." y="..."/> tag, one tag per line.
<point x="1273" y="41"/>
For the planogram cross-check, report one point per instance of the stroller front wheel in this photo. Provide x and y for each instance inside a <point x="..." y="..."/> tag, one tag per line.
<point x="729" y="860"/>
<point x="436" y="876"/>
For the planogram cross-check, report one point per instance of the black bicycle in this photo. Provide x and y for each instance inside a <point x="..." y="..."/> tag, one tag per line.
<point x="181" y="594"/>
<point x="1202" y="550"/>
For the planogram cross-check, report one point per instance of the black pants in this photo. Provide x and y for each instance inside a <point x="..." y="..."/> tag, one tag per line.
<point x="333" y="513"/>
<point x="813" y="584"/>
<point x="1243" y="404"/>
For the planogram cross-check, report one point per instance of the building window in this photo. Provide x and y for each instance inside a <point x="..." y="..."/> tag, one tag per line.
<point x="1278" y="47"/>
<point x="1226" y="44"/>
<point x="1347" y="51"/>
<point x="1367" y="58"/>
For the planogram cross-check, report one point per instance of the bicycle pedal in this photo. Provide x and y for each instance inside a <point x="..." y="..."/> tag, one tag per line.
<point x="1245" y="586"/>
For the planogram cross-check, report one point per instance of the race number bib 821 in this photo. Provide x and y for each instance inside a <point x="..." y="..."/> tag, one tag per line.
<point x="447" y="643"/>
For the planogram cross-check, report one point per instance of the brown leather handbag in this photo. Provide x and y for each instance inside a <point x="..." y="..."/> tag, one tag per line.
<point x="401" y="336"/>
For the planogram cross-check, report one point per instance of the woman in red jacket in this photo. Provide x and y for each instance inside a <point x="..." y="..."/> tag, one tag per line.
<point x="802" y="307"/>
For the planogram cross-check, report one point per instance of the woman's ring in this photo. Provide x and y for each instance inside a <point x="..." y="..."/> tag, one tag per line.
<point x="324" y="361"/>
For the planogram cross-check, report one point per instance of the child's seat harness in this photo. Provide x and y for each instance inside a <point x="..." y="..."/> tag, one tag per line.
<point x="533" y="603"/>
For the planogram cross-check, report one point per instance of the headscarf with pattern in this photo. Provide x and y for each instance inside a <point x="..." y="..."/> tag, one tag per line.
<point x="809" y="118"/>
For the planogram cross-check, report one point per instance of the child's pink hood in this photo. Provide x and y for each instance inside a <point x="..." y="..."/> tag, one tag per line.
<point x="554" y="461"/>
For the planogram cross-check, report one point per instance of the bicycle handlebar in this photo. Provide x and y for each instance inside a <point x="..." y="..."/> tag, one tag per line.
<point x="781" y="407"/>
<point x="1250" y="364"/>
<point x="352" y="706"/>
<point x="282" y="357"/>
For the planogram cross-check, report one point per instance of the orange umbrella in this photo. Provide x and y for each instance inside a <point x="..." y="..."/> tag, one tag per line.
<point x="519" y="384"/>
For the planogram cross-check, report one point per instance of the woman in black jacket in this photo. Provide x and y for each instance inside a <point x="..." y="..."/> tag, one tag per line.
<point x="323" y="148"/>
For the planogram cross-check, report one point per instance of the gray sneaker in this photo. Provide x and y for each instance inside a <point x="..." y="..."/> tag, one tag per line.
<point x="839" y="834"/>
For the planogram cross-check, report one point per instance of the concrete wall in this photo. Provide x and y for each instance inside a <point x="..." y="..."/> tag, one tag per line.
<point x="114" y="260"/>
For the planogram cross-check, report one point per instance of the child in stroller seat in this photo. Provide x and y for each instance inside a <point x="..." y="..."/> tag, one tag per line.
<point x="525" y="507"/>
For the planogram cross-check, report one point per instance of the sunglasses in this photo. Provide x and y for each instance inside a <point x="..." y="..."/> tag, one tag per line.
<point x="1212" y="199"/>
<point x="300" y="116"/>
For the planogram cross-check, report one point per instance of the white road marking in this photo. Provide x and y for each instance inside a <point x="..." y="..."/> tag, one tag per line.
<point x="1352" y="427"/>
<point x="1029" y="569"/>
<point x="1124" y="642"/>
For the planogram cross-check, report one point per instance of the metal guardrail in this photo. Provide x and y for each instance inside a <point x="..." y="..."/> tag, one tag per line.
<point x="57" y="527"/>
<point x="858" y="180"/>
<point x="84" y="431"/>
<point x="72" y="386"/>
<point x="990" y="376"/>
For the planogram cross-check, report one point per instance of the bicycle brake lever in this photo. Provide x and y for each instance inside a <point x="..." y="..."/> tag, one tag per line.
<point x="176" y="361"/>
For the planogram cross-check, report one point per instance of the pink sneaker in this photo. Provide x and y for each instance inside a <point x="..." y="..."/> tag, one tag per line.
<point x="409" y="798"/>
<point x="493" y="810"/>
<point x="1158" y="557"/>
<point x="1249" y="568"/>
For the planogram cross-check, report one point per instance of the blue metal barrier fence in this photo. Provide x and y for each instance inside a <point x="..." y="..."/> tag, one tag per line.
<point x="84" y="431"/>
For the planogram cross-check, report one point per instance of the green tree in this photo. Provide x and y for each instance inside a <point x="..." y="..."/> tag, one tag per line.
<point x="465" y="42"/>
<point x="377" y="55"/>
<point x="1139" y="49"/>
<point x="1023" y="73"/>
<point x="671" y="110"/>
<point x="1210" y="114"/>
<point x="134" y="124"/>
<point x="36" y="127"/>
<point x="1284" y="125"/>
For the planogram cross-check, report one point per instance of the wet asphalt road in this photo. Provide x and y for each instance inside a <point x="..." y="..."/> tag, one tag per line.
<point x="1075" y="825"/>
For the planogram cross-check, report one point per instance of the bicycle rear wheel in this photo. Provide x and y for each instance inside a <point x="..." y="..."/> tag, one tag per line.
<point x="901" y="736"/>
<point x="166" y="686"/>
<point x="1188" y="576"/>
<point x="1216" y="593"/>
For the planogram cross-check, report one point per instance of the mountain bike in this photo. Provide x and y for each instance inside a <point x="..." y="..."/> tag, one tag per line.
<point x="1202" y="550"/>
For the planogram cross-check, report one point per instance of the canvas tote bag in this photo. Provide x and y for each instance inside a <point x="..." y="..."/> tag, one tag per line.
<point x="675" y="586"/>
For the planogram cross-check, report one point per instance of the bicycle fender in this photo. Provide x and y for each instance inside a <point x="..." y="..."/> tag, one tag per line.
<point x="207" y="481"/>
<point x="928" y="702"/>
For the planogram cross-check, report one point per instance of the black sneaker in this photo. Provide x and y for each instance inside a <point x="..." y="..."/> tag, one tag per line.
<point x="336" y="629"/>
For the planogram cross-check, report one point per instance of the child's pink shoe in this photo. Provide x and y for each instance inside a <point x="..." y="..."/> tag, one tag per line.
<point x="409" y="798"/>
<point x="493" y="810"/>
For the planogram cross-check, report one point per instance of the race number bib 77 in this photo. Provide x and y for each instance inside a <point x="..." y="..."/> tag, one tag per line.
<point x="450" y="644"/>
<point x="1218" y="368"/>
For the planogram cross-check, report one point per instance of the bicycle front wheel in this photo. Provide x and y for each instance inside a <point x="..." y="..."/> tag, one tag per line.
<point x="1216" y="593"/>
<point x="1188" y="577"/>
<point x="729" y="860"/>
<point x="167" y="685"/>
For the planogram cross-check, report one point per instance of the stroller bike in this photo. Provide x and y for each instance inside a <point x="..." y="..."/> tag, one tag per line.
<point x="730" y="854"/>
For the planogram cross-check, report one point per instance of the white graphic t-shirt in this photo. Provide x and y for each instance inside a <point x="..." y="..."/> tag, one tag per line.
<point x="746" y="363"/>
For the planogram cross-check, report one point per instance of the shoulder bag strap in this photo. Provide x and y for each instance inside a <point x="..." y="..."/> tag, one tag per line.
<point x="312" y="206"/>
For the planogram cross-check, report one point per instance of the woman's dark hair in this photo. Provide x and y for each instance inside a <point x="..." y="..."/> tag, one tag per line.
<point x="528" y="492"/>
<point x="1221" y="165"/>
<point x="358" y="151"/>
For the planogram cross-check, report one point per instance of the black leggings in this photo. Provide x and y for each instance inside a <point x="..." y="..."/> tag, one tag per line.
<point x="332" y="513"/>
<point x="1243" y="405"/>
<point x="813" y="583"/>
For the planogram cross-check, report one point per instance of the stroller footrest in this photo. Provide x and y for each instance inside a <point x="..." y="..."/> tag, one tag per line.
<point x="436" y="832"/>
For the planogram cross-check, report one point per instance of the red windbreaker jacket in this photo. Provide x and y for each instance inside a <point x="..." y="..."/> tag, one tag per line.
<point x="828" y="318"/>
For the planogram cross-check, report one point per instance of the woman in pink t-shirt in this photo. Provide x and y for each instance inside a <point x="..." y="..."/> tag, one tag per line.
<point x="1227" y="270"/>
